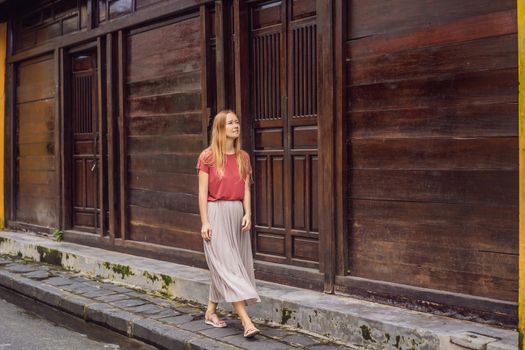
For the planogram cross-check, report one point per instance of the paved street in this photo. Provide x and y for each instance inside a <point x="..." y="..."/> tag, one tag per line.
<point x="171" y="324"/>
<point x="22" y="330"/>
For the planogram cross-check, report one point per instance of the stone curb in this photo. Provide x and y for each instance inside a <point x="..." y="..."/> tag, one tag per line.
<point x="121" y="321"/>
<point x="344" y="319"/>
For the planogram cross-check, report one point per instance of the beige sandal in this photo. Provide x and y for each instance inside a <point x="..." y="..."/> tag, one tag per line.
<point x="208" y="319"/>
<point x="251" y="332"/>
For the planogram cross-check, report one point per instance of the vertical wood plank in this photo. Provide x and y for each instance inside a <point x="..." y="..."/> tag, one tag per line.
<point x="220" y="50"/>
<point x="122" y="127"/>
<point x="521" y="121"/>
<point x="326" y="147"/>
<point x="242" y="73"/>
<point x="287" y="60"/>
<point x="205" y="71"/>
<point x="341" y="162"/>
<point x="101" y="133"/>
<point x="11" y="139"/>
<point x="90" y="14"/>
<point x="110" y="136"/>
<point x="57" y="133"/>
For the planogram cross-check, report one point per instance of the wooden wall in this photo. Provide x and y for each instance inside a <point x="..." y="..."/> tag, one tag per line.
<point x="36" y="175"/>
<point x="164" y="127"/>
<point x="432" y="120"/>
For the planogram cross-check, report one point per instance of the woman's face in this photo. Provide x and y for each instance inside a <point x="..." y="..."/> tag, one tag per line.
<point x="232" y="126"/>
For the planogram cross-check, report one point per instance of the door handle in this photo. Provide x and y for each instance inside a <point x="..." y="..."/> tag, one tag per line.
<point x="94" y="166"/>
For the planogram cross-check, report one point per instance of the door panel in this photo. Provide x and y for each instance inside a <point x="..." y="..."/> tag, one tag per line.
<point x="283" y="62"/>
<point x="84" y="130"/>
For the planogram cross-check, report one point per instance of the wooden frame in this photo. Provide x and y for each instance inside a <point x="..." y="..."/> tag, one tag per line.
<point x="325" y="30"/>
<point x="204" y="13"/>
<point x="123" y="167"/>
<point x="110" y="122"/>
<point x="57" y="135"/>
<point x="101" y="53"/>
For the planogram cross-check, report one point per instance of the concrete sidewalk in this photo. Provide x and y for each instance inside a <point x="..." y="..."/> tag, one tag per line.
<point x="356" y="323"/>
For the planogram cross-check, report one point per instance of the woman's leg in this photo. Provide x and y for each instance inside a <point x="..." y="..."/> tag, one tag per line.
<point x="211" y="315"/>
<point x="240" y="308"/>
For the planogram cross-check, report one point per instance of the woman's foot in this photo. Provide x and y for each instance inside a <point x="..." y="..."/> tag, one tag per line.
<point x="250" y="330"/>
<point x="212" y="319"/>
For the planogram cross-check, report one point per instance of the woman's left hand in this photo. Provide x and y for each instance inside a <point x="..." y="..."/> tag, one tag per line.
<point x="246" y="223"/>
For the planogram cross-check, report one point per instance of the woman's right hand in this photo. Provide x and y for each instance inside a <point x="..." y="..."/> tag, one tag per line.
<point x="206" y="231"/>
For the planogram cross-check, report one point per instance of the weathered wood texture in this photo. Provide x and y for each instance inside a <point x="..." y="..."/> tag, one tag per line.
<point x="42" y="23"/>
<point x="432" y="130"/>
<point x="283" y="67"/>
<point x="164" y="133"/>
<point x="36" y="172"/>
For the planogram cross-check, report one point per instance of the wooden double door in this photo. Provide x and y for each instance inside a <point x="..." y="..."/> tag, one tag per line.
<point x="87" y="182"/>
<point x="284" y="99"/>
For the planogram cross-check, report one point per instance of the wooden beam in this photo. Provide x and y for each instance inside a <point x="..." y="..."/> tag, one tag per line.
<point x="10" y="179"/>
<point x="165" y="9"/>
<point x="205" y="71"/>
<point x="123" y="167"/>
<point x="3" y="54"/>
<point x="325" y="37"/>
<point x="521" y="64"/>
<point x="242" y="73"/>
<point x="111" y="154"/>
<point x="341" y="160"/>
<point x="101" y="135"/>
<point x="56" y="135"/>
<point x="220" y="54"/>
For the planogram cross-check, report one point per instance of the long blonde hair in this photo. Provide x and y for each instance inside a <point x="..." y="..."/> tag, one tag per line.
<point x="218" y="146"/>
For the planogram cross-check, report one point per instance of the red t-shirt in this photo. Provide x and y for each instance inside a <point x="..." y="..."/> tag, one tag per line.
<point x="230" y="186"/>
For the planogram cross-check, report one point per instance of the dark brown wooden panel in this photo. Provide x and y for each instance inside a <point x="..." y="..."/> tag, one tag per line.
<point x="163" y="181"/>
<point x="178" y="52"/>
<point x="471" y="56"/>
<point x="185" y="123"/>
<point x="435" y="154"/>
<point x="374" y="17"/>
<point x="299" y="193"/>
<point x="444" y="186"/>
<point x="269" y="138"/>
<point x="457" y="90"/>
<point x="155" y="144"/>
<point x="267" y="14"/>
<point x="165" y="104"/>
<point x="303" y="8"/>
<point x="261" y="195"/>
<point x="165" y="235"/>
<point x="180" y="82"/>
<point x="305" y="249"/>
<point x="172" y="163"/>
<point x="487" y="120"/>
<point x="277" y="188"/>
<point x="164" y="217"/>
<point x="304" y="136"/>
<point x="270" y="244"/>
<point x="178" y="201"/>
<point x="472" y="28"/>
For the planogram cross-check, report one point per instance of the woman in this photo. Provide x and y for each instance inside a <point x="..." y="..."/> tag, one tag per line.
<point x="224" y="205"/>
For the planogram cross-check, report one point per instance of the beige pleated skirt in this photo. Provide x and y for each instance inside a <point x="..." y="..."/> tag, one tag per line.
<point x="229" y="255"/>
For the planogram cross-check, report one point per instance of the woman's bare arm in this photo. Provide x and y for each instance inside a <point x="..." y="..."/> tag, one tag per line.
<point x="203" y="205"/>
<point x="247" y="204"/>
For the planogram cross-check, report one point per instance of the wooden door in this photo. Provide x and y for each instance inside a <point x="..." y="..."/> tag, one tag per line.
<point x="283" y="62"/>
<point x="84" y="132"/>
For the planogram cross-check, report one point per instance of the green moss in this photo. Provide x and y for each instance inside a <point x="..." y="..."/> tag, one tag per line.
<point x="398" y="340"/>
<point x="122" y="270"/>
<point x="3" y="240"/>
<point x="387" y="336"/>
<point x="50" y="256"/>
<point x="19" y="254"/>
<point x="365" y="332"/>
<point x="285" y="315"/>
<point x="151" y="276"/>
<point x="167" y="281"/>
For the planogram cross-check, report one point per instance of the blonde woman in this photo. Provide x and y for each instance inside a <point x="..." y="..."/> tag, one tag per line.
<point x="225" y="211"/>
